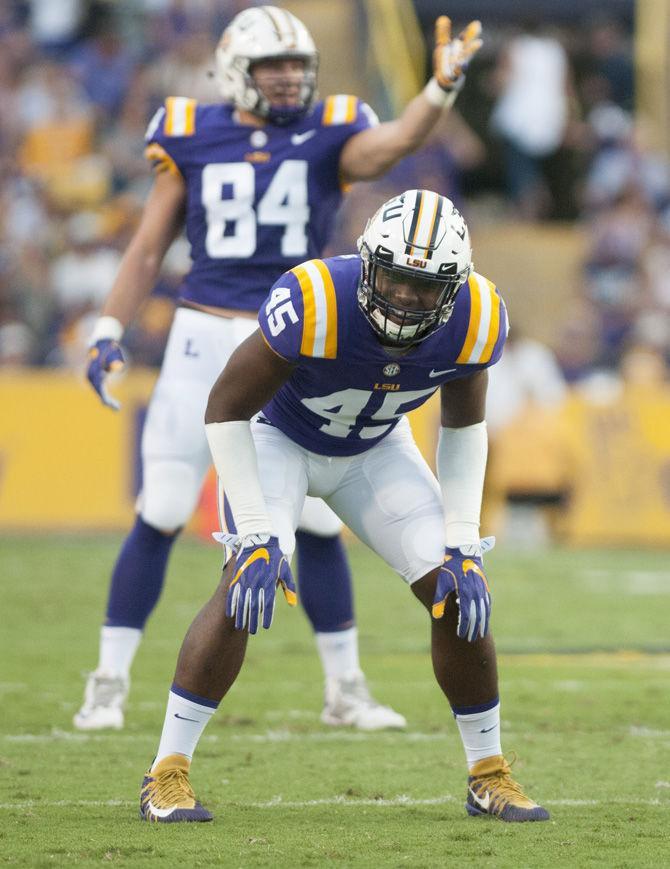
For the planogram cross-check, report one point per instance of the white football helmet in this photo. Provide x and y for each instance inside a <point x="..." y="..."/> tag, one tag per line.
<point x="418" y="239"/>
<point x="264" y="33"/>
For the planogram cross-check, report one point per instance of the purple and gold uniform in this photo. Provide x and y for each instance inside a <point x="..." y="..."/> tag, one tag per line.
<point x="348" y="391"/>
<point x="259" y="200"/>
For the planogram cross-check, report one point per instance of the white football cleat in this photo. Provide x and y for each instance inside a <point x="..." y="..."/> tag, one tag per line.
<point x="348" y="703"/>
<point x="104" y="699"/>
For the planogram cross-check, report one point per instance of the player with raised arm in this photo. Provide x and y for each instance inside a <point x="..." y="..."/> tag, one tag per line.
<point x="256" y="180"/>
<point x="346" y="347"/>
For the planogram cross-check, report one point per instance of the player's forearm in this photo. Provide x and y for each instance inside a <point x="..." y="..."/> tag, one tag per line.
<point x="134" y="282"/>
<point x="374" y="151"/>
<point x="461" y="466"/>
<point x="234" y="455"/>
<point x="161" y="221"/>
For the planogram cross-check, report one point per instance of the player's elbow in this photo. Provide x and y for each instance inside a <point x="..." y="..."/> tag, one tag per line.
<point x="144" y="260"/>
<point x="378" y="163"/>
<point x="221" y="404"/>
<point x="372" y="153"/>
<point x="216" y="410"/>
<point x="150" y="261"/>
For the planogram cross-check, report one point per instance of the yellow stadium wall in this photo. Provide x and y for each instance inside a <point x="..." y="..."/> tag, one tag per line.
<point x="66" y="462"/>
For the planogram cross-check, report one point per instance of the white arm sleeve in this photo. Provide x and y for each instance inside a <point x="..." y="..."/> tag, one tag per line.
<point x="234" y="453"/>
<point x="461" y="465"/>
<point x="106" y="327"/>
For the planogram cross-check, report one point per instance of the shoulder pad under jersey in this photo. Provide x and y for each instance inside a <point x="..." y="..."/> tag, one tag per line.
<point x="487" y="325"/>
<point x="299" y="317"/>
<point x="176" y="119"/>
<point x="344" y="109"/>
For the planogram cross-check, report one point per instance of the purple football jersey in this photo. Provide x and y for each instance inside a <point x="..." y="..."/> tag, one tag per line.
<point x="348" y="391"/>
<point x="259" y="200"/>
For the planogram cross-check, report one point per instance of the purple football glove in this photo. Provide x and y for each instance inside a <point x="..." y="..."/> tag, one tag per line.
<point x="462" y="572"/>
<point x="103" y="357"/>
<point x="260" y="566"/>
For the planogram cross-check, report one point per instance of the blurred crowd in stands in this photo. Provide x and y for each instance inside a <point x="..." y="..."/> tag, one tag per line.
<point x="79" y="82"/>
<point x="545" y="132"/>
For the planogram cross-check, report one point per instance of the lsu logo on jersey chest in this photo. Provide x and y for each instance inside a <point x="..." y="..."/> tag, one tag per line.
<point x="258" y="141"/>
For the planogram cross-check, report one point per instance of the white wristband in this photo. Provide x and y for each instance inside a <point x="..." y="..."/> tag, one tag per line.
<point x="438" y="97"/>
<point x="106" y="328"/>
<point x="234" y="453"/>
<point x="461" y="465"/>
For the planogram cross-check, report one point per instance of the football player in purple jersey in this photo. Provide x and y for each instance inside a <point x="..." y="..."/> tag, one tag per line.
<point x="346" y="346"/>
<point x="256" y="181"/>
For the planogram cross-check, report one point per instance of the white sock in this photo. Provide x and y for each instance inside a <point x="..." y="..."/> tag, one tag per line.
<point x="338" y="651"/>
<point x="480" y="734"/>
<point x="117" y="649"/>
<point x="184" y="723"/>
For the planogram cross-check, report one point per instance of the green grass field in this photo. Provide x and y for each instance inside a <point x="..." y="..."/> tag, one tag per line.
<point x="585" y="662"/>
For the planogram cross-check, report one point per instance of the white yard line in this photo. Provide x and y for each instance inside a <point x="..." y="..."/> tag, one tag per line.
<point x="48" y="804"/>
<point x="648" y="732"/>
<point x="630" y="582"/>
<point x="404" y="800"/>
<point x="270" y="737"/>
<point x="278" y="802"/>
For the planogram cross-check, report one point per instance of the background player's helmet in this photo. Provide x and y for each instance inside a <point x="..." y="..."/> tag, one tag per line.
<point x="422" y="235"/>
<point x="264" y="33"/>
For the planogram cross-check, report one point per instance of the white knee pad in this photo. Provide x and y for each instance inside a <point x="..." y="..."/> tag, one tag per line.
<point x="169" y="494"/>
<point x="317" y="518"/>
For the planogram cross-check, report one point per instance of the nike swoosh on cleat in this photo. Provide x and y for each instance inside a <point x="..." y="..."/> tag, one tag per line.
<point x="160" y="813"/>
<point x="482" y="803"/>
<point x="183" y="718"/>
<point x="434" y="373"/>
<point x="488" y="729"/>
<point x="299" y="138"/>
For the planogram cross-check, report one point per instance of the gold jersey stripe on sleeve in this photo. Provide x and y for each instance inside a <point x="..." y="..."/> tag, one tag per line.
<point x="319" y="331"/>
<point x="494" y="324"/>
<point x="339" y="109"/>
<point x="330" y="337"/>
<point x="484" y="322"/>
<point x="309" y="311"/>
<point x="160" y="159"/>
<point x="180" y="116"/>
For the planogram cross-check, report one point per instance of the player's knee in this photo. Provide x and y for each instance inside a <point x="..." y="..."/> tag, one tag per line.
<point x="163" y="516"/>
<point x="169" y="495"/>
<point x="424" y="588"/>
<point x="317" y="518"/>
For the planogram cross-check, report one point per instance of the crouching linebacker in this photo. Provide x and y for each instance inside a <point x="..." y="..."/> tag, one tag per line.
<point x="346" y="346"/>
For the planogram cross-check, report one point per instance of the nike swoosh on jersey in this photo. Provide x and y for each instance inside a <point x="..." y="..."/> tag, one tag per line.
<point x="299" y="138"/>
<point x="483" y="803"/>
<point x="434" y="373"/>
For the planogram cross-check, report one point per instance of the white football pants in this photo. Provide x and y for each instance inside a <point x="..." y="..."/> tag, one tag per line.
<point x="387" y="495"/>
<point x="175" y="454"/>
